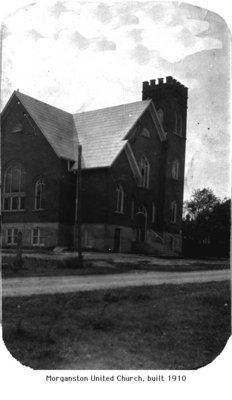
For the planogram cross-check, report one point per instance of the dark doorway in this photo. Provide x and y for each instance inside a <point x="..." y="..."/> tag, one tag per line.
<point x="141" y="218"/>
<point x="117" y="240"/>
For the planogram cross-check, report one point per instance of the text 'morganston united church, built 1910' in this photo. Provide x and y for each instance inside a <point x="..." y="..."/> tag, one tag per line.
<point x="133" y="158"/>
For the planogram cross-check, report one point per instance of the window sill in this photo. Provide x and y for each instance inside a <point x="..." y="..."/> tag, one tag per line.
<point x="38" y="209"/>
<point x="14" y="211"/>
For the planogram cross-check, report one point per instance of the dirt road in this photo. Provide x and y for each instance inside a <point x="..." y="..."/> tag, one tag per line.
<point x="42" y="285"/>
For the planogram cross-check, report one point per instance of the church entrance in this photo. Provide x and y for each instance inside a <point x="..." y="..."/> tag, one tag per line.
<point x="141" y="217"/>
<point x="117" y="240"/>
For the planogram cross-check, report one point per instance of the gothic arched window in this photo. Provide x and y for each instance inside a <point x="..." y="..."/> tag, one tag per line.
<point x="153" y="213"/>
<point x="173" y="210"/>
<point x="179" y="125"/>
<point x="160" y="113"/>
<point x="145" y="172"/>
<point x="40" y="194"/>
<point x="175" y="122"/>
<point x="119" y="199"/>
<point x="14" y="188"/>
<point x="175" y="169"/>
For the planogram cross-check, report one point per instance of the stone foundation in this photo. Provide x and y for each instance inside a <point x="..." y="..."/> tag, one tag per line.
<point x="101" y="237"/>
<point x="48" y="233"/>
<point x="96" y="237"/>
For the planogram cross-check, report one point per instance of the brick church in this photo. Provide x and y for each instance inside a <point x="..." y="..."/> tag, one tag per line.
<point x="132" y="169"/>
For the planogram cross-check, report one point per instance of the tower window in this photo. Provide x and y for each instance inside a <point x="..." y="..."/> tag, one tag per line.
<point x="178" y="124"/>
<point x="173" y="211"/>
<point x="175" y="169"/>
<point x="160" y="113"/>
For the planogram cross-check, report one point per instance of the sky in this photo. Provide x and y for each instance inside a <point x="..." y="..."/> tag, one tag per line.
<point x="80" y="56"/>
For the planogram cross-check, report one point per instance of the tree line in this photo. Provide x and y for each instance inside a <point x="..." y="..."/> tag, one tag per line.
<point x="206" y="224"/>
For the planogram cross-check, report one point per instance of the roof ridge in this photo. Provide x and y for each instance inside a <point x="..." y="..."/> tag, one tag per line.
<point x="107" y="108"/>
<point x="18" y="94"/>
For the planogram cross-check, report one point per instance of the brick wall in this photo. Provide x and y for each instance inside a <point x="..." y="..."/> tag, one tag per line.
<point x="33" y="152"/>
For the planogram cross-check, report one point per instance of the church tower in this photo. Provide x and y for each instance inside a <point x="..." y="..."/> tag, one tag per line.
<point x="170" y="99"/>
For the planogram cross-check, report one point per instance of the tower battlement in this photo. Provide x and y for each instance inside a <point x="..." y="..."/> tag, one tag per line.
<point x="163" y="83"/>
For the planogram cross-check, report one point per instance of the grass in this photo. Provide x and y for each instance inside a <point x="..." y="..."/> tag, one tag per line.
<point x="161" y="327"/>
<point x="69" y="266"/>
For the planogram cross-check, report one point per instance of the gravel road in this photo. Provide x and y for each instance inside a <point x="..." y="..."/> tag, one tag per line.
<point x="48" y="285"/>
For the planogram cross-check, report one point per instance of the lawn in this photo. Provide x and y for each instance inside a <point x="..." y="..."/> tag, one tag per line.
<point x="160" y="327"/>
<point x="69" y="266"/>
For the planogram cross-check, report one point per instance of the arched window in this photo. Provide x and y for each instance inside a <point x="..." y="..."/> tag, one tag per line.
<point x="14" y="188"/>
<point x="175" y="169"/>
<point x="17" y="127"/>
<point x="179" y="125"/>
<point x="145" y="172"/>
<point x="119" y="199"/>
<point x="146" y="133"/>
<point x="40" y="194"/>
<point x="160" y="113"/>
<point x="173" y="211"/>
<point x="153" y="213"/>
<point x="175" y="122"/>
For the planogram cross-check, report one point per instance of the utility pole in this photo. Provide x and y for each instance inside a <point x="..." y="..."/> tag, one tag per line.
<point x="78" y="210"/>
<point x="18" y="262"/>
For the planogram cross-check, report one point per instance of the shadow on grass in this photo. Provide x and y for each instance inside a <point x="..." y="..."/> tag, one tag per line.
<point x="161" y="327"/>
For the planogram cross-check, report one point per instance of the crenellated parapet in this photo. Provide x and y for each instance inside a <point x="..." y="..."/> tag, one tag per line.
<point x="168" y="83"/>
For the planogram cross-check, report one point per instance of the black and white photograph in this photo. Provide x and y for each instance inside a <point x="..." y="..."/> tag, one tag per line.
<point x="115" y="188"/>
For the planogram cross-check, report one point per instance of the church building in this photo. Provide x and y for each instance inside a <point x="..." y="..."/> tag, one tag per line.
<point x="132" y="173"/>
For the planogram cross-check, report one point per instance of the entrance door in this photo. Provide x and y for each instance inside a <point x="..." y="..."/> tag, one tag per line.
<point x="117" y="239"/>
<point x="141" y="224"/>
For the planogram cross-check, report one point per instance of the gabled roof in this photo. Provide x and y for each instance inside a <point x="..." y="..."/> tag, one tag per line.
<point x="102" y="133"/>
<point x="56" y="125"/>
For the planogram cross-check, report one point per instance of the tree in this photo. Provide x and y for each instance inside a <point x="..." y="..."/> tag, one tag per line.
<point x="220" y="225"/>
<point x="207" y="222"/>
<point x="202" y="202"/>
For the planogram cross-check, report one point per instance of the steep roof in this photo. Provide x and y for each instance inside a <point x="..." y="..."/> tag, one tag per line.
<point x="101" y="133"/>
<point x="56" y="125"/>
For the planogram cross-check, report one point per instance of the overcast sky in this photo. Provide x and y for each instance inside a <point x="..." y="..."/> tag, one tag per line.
<point x="83" y="56"/>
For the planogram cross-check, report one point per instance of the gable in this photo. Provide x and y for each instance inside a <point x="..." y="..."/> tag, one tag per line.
<point x="55" y="124"/>
<point x="102" y="133"/>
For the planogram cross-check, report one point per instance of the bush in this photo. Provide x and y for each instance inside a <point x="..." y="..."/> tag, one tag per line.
<point x="70" y="263"/>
